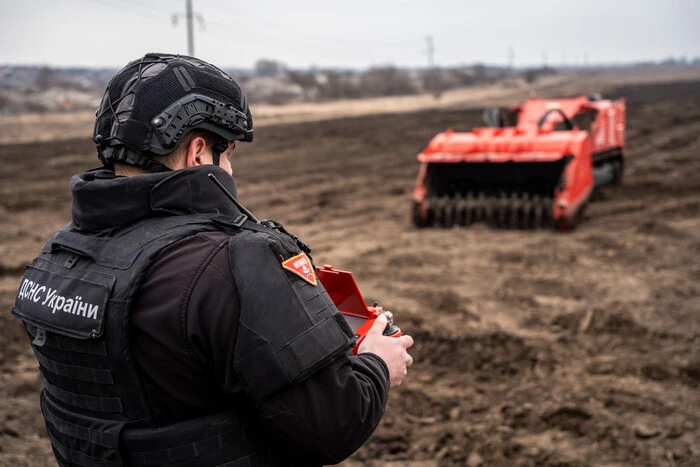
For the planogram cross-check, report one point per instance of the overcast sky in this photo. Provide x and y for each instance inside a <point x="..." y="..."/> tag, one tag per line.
<point x="353" y="34"/>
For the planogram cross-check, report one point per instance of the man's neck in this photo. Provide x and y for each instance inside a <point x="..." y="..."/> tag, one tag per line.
<point x="125" y="170"/>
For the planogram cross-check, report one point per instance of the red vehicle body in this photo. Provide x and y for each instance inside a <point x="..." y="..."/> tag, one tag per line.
<point x="536" y="165"/>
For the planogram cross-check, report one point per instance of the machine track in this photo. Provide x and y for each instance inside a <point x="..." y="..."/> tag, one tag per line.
<point x="504" y="210"/>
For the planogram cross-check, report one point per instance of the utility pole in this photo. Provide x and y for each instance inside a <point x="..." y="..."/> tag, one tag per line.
<point x="511" y="58"/>
<point x="431" y="62"/>
<point x="190" y="33"/>
<point x="189" y="18"/>
<point x="544" y="58"/>
<point x="431" y="51"/>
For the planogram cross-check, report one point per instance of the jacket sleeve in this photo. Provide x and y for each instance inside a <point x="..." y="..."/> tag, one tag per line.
<point x="291" y="357"/>
<point x="331" y="414"/>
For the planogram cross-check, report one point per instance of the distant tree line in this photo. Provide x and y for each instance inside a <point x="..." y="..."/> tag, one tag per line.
<point x="273" y="82"/>
<point x="43" y="89"/>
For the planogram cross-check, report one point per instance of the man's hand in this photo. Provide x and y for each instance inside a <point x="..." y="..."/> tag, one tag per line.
<point x="391" y="349"/>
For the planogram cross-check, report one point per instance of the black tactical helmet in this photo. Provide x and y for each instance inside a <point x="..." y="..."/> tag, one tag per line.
<point x="152" y="102"/>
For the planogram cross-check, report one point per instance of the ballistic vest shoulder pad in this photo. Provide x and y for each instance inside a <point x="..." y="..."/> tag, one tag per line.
<point x="289" y="327"/>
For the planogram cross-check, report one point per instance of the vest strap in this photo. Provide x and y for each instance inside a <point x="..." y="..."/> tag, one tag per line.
<point x="92" y="346"/>
<point x="97" y="404"/>
<point x="100" y="438"/>
<point x="79" y="458"/>
<point x="242" y="221"/>
<point x="82" y="244"/>
<point x="80" y="373"/>
<point x="257" y="459"/>
<point x="190" y="443"/>
<point x="122" y="255"/>
<point x="189" y="451"/>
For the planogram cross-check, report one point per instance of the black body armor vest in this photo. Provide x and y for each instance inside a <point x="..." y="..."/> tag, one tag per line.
<point x="75" y="300"/>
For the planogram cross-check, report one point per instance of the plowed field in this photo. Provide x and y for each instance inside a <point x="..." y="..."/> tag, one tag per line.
<point x="532" y="348"/>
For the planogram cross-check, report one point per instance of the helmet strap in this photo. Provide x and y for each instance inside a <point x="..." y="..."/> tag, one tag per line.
<point x="219" y="147"/>
<point x="124" y="155"/>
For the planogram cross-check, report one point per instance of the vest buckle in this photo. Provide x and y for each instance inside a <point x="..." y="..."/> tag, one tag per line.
<point x="239" y="220"/>
<point x="40" y="338"/>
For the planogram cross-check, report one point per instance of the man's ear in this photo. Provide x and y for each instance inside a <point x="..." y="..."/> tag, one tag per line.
<point x="197" y="153"/>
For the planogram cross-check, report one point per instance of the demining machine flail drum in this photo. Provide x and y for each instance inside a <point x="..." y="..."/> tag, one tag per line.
<point x="535" y="166"/>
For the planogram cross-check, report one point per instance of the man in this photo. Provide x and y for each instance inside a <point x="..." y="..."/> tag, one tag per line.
<point x="166" y="329"/>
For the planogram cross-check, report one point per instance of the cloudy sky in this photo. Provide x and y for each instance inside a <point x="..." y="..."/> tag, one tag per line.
<point x="353" y="34"/>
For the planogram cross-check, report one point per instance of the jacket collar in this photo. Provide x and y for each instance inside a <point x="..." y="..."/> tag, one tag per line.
<point x="102" y="201"/>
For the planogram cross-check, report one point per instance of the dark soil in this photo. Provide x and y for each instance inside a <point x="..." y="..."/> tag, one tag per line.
<point x="532" y="348"/>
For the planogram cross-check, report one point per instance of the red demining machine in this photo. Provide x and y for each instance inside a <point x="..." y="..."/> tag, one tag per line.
<point x="535" y="165"/>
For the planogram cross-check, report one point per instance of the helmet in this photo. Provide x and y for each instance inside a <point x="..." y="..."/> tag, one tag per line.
<point x="152" y="102"/>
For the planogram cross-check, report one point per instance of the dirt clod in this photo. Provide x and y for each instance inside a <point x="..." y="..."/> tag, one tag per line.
<point x="644" y="431"/>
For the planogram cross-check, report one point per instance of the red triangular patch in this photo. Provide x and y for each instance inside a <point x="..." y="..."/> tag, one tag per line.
<point x="302" y="267"/>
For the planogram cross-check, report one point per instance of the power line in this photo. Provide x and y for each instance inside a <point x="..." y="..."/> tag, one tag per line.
<point x="189" y="17"/>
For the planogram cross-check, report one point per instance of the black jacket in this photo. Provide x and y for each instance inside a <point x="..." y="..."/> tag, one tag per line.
<point x="185" y="322"/>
